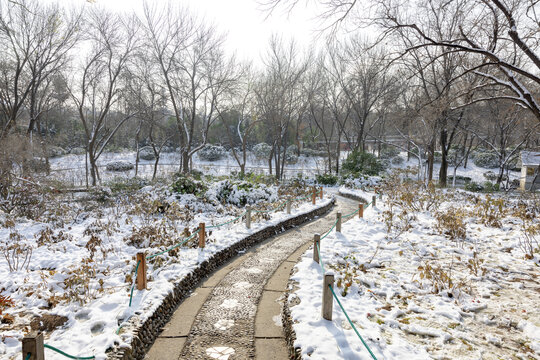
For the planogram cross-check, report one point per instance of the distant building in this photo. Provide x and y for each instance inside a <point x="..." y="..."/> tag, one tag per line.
<point x="530" y="167"/>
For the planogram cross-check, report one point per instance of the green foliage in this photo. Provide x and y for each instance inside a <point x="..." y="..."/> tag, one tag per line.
<point x="490" y="187"/>
<point x="120" y="184"/>
<point x="388" y="152"/>
<point x="326" y="179"/>
<point x="359" y="162"/>
<point x="184" y="184"/>
<point x="486" y="160"/>
<point x="212" y="152"/>
<point x="473" y="186"/>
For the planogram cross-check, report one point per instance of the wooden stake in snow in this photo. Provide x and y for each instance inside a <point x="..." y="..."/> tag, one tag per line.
<point x="248" y="217"/>
<point x="327" y="300"/>
<point x="288" y="205"/>
<point x="338" y="223"/>
<point x="316" y="247"/>
<point x="374" y="201"/>
<point x="141" y="271"/>
<point x="360" y="210"/>
<point x="202" y="233"/>
<point x="313" y="196"/>
<point x="33" y="345"/>
<point x="321" y="193"/>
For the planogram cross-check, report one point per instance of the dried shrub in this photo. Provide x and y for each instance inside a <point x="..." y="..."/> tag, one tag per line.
<point x="439" y="279"/>
<point x="490" y="211"/>
<point x="16" y="252"/>
<point x="81" y="284"/>
<point x="5" y="302"/>
<point x="475" y="265"/>
<point x="452" y="223"/>
<point x="47" y="236"/>
<point x="412" y="196"/>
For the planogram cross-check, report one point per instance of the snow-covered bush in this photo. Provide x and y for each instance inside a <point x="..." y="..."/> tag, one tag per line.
<point x="360" y="182"/>
<point x="388" y="152"/>
<point x="212" y="152"/>
<point x="359" y="162"/>
<point x="491" y="176"/>
<point x="184" y="184"/>
<point x="486" y="160"/>
<point x="77" y="151"/>
<point x="121" y="184"/>
<point x="55" y="151"/>
<point x="262" y="151"/>
<point x="326" y="179"/>
<point x="397" y="160"/>
<point x="146" y="153"/>
<point x="312" y="152"/>
<point x="290" y="155"/>
<point x="240" y="193"/>
<point x="119" y="166"/>
<point x="473" y="186"/>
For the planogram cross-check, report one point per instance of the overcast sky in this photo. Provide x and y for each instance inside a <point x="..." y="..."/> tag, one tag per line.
<point x="247" y="26"/>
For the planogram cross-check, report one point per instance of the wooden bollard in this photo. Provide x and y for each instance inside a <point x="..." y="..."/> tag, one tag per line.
<point x="373" y="201"/>
<point x="360" y="210"/>
<point x="288" y="206"/>
<point x="202" y="234"/>
<point x="248" y="217"/>
<point x="313" y="196"/>
<point x="321" y="193"/>
<point x="338" y="222"/>
<point x="327" y="300"/>
<point x="316" y="247"/>
<point x="141" y="271"/>
<point x="33" y="345"/>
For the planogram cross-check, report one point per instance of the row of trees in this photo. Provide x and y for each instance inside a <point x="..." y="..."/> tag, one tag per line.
<point x="442" y="75"/>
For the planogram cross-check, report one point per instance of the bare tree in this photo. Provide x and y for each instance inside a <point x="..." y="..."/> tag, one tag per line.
<point x="195" y="71"/>
<point x="35" y="40"/>
<point x="242" y="108"/>
<point x="97" y="87"/>
<point x="279" y="97"/>
<point x="501" y="37"/>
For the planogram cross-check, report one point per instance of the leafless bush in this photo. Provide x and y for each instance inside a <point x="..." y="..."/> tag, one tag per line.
<point x="452" y="223"/>
<point x="16" y="252"/>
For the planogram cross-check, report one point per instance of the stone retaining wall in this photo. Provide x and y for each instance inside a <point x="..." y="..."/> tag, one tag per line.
<point x="352" y="197"/>
<point x="145" y="333"/>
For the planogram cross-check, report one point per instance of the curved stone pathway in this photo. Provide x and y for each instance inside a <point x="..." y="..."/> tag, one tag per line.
<point x="235" y="313"/>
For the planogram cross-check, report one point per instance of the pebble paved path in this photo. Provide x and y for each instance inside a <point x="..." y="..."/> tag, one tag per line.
<point x="224" y="327"/>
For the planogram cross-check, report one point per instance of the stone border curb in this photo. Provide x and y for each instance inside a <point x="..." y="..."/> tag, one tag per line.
<point x="352" y="197"/>
<point x="147" y="332"/>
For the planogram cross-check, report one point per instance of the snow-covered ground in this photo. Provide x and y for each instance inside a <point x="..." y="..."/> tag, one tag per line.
<point x="83" y="267"/>
<point x="71" y="168"/>
<point x="398" y="292"/>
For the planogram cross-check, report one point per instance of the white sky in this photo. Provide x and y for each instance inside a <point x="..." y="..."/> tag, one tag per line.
<point x="245" y="23"/>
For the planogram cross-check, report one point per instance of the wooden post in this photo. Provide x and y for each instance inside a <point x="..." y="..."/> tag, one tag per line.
<point x="373" y="201"/>
<point x="289" y="205"/>
<point x="33" y="344"/>
<point x="248" y="217"/>
<point x="338" y="223"/>
<point x="202" y="233"/>
<point x="141" y="271"/>
<point x="361" y="210"/>
<point x="313" y="196"/>
<point x="321" y="193"/>
<point x="327" y="299"/>
<point x="316" y="245"/>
